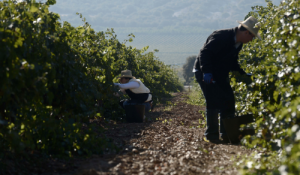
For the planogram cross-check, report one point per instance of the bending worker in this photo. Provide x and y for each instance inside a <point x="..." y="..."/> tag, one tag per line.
<point x="135" y="89"/>
<point x="217" y="57"/>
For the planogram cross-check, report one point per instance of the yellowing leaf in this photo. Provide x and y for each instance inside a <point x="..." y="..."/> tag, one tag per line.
<point x="33" y="9"/>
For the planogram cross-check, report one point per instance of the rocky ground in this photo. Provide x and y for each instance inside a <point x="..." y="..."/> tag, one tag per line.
<point x="171" y="142"/>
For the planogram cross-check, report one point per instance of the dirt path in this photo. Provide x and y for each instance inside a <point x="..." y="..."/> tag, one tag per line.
<point x="169" y="144"/>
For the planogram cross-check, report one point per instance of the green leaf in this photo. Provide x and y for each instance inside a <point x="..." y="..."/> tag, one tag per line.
<point x="34" y="9"/>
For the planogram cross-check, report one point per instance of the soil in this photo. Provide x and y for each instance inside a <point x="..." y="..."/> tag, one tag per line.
<point x="169" y="142"/>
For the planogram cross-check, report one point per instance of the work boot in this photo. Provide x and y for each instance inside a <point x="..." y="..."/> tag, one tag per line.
<point x="225" y="139"/>
<point x="224" y="115"/>
<point x="212" y="131"/>
<point x="217" y="141"/>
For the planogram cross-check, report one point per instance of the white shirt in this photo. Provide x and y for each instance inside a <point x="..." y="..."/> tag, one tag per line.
<point x="130" y="85"/>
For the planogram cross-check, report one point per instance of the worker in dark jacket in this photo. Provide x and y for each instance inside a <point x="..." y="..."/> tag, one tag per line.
<point x="217" y="57"/>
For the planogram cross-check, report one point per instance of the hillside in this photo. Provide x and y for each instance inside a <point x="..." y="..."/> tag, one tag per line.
<point x="163" y="15"/>
<point x="176" y="28"/>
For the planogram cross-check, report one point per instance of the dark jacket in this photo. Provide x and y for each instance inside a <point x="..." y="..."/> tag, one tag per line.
<point x="219" y="55"/>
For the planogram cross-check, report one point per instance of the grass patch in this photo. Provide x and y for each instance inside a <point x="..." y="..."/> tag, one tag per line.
<point x="169" y="106"/>
<point x="195" y="96"/>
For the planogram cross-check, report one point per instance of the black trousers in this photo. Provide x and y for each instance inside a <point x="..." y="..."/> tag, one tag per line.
<point x="219" y="98"/>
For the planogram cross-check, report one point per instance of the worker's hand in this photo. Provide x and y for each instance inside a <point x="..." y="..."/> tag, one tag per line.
<point x="250" y="76"/>
<point x="116" y="84"/>
<point x="118" y="94"/>
<point x="207" y="78"/>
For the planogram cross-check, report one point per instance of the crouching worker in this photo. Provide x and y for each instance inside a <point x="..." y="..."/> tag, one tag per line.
<point x="135" y="89"/>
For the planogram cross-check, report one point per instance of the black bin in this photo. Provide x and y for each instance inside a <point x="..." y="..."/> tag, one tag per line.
<point x="232" y="127"/>
<point x="135" y="113"/>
